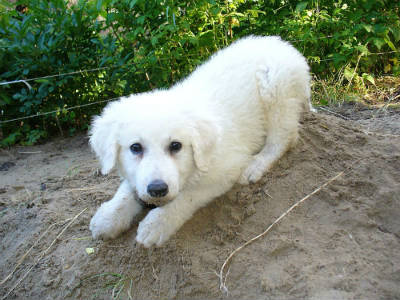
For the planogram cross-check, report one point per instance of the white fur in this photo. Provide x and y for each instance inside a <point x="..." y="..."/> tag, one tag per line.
<point x="235" y="116"/>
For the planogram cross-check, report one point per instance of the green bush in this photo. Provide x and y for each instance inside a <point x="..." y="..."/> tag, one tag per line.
<point x="145" y="44"/>
<point x="52" y="38"/>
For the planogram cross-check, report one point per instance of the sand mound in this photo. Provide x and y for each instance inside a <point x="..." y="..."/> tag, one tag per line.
<point x="342" y="243"/>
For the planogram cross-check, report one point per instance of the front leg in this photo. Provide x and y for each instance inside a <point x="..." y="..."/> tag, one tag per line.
<point x="115" y="216"/>
<point x="162" y="222"/>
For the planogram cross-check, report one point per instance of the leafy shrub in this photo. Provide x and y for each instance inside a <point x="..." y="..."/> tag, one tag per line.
<point x="131" y="46"/>
<point x="52" y="38"/>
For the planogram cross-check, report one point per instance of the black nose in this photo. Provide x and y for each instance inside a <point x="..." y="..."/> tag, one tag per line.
<point x="157" y="188"/>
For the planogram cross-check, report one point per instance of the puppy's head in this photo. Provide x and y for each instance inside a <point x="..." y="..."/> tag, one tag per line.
<point x="158" y="146"/>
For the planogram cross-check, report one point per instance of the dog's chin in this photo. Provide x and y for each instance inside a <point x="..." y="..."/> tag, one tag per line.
<point x="157" y="202"/>
<point x="146" y="205"/>
<point x="151" y="202"/>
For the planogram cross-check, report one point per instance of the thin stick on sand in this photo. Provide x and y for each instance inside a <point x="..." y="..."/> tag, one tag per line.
<point x="222" y="280"/>
<point x="42" y="255"/>
<point x="20" y="261"/>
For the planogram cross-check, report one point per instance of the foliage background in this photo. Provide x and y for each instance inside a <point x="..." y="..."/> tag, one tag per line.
<point x="131" y="46"/>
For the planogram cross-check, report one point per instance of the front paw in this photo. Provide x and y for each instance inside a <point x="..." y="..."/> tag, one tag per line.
<point x="107" y="223"/>
<point x="156" y="228"/>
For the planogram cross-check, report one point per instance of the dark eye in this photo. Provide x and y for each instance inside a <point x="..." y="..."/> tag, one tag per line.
<point x="136" y="148"/>
<point x="175" y="146"/>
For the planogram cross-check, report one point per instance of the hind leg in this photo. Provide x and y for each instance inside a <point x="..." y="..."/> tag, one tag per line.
<point x="280" y="137"/>
<point x="282" y="113"/>
<point x="282" y="133"/>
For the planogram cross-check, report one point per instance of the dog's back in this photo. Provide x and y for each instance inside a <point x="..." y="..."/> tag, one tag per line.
<point x="230" y="73"/>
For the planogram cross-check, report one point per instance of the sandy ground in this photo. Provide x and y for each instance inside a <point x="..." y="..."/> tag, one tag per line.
<point x="341" y="243"/>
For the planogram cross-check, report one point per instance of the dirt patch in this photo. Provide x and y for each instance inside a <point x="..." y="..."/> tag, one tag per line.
<point x="342" y="243"/>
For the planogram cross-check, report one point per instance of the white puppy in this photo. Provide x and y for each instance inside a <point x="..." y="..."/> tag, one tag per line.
<point x="228" y="122"/>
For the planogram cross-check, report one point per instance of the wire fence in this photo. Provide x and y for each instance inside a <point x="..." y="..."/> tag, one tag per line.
<point x="56" y="75"/>
<point x="25" y="81"/>
<point x="60" y="110"/>
<point x="80" y="72"/>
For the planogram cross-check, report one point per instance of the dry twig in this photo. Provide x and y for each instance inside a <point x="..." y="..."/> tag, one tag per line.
<point x="41" y="255"/>
<point x="30" y="249"/>
<point x="223" y="278"/>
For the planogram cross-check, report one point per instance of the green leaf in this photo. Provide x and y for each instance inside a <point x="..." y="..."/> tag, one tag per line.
<point x="11" y="139"/>
<point x="396" y="32"/>
<point x="390" y="44"/>
<point x="132" y="3"/>
<point x="301" y="6"/>
<point x="349" y="73"/>
<point x="215" y="10"/>
<point x="6" y="99"/>
<point x="141" y="20"/>
<point x="368" y="27"/>
<point x="154" y="41"/>
<point x="363" y="49"/>
<point x="378" y="42"/>
<point x="368" y="77"/>
<point x="99" y="5"/>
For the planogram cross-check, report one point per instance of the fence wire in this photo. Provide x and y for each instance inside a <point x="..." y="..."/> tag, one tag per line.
<point x="57" y="75"/>
<point x="25" y="81"/>
<point x="60" y="110"/>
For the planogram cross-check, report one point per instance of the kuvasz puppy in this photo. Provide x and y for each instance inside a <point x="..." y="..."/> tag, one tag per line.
<point x="227" y="122"/>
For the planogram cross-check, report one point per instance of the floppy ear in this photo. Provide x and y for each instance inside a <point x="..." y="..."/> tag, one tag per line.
<point x="204" y="139"/>
<point x="104" y="141"/>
